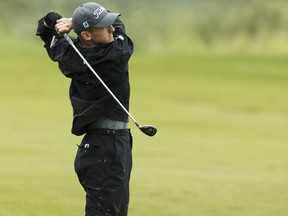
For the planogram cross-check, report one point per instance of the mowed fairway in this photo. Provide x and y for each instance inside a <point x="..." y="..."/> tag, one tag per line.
<point x="221" y="148"/>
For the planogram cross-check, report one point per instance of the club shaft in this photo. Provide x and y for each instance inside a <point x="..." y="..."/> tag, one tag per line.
<point x="69" y="40"/>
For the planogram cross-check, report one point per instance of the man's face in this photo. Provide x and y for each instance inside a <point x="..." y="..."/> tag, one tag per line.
<point x="102" y="35"/>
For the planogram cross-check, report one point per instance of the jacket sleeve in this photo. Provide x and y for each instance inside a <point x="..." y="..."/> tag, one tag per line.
<point x="119" y="27"/>
<point x="55" y="45"/>
<point x="44" y="33"/>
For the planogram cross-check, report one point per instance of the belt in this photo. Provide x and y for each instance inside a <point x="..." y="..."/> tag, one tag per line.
<point x="105" y="123"/>
<point x="109" y="131"/>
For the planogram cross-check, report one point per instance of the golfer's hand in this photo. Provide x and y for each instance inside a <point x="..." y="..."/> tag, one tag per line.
<point x="63" y="25"/>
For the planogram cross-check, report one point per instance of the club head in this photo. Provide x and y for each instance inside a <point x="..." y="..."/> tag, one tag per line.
<point x="148" y="129"/>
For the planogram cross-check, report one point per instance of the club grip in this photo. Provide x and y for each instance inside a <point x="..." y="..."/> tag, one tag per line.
<point x="68" y="39"/>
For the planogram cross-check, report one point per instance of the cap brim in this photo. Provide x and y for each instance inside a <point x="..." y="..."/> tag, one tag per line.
<point x="108" y="20"/>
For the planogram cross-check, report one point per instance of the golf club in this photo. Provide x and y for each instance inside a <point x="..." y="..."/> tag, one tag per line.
<point x="146" y="129"/>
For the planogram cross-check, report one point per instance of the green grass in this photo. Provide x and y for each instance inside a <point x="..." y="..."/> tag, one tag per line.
<point x="221" y="149"/>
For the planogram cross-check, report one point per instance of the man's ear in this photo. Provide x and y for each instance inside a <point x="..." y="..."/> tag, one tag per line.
<point x="86" y="35"/>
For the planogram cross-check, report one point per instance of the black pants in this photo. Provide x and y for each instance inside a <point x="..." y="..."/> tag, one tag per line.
<point x="103" y="164"/>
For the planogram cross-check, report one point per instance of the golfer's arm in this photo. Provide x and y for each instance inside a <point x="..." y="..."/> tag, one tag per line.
<point x="43" y="32"/>
<point x="119" y="26"/>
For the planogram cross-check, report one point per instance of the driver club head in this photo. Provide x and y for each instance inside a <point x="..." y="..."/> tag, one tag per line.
<point x="148" y="129"/>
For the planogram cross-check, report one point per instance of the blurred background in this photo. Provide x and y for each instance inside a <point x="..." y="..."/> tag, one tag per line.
<point x="210" y="74"/>
<point x="184" y="25"/>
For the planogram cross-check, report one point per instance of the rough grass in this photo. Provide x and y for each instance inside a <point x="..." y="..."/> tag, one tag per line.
<point x="221" y="148"/>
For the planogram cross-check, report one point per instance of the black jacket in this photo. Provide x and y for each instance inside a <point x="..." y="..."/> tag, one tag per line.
<point x="89" y="99"/>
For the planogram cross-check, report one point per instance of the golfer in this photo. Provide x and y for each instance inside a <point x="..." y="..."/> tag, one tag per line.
<point x="104" y="160"/>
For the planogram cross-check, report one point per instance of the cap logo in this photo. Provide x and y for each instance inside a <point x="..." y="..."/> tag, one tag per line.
<point x="85" y="24"/>
<point x="98" y="11"/>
